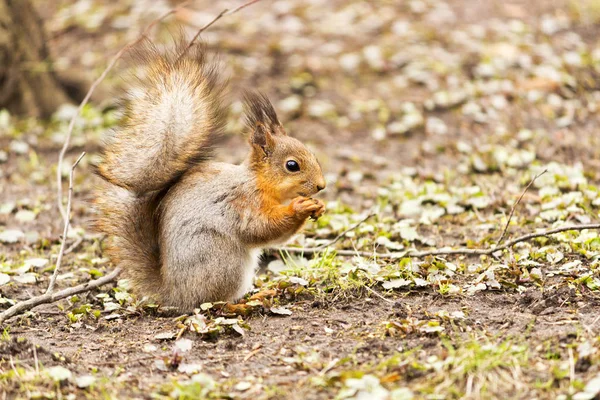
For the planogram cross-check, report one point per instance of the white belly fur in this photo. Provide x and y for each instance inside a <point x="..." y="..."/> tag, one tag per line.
<point x="250" y="267"/>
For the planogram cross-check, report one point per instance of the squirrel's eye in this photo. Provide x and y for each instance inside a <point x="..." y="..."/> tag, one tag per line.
<point x="292" y="166"/>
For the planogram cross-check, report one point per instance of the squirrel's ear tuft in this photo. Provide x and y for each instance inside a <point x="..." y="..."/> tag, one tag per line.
<point x="262" y="139"/>
<point x="260" y="111"/>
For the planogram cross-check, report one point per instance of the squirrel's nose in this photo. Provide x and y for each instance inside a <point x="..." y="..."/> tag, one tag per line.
<point x="321" y="185"/>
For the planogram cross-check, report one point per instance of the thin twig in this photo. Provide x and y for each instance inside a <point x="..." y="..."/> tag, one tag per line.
<point x="251" y="354"/>
<point x="12" y="364"/>
<point x="379" y="295"/>
<point x="512" y="210"/>
<point x="351" y="228"/>
<point x="530" y="236"/>
<point x="215" y="19"/>
<point x="448" y="252"/>
<point x="61" y="294"/>
<point x="85" y="100"/>
<point x="571" y="366"/>
<point x="63" y="242"/>
<point x="334" y="240"/>
<point x="36" y="361"/>
<point x="74" y="245"/>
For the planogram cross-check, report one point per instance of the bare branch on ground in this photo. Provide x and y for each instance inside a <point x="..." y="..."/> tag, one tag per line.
<point x="445" y="252"/>
<point x="47" y="298"/>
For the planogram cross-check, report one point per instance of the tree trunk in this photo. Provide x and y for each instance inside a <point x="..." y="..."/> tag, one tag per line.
<point x="28" y="85"/>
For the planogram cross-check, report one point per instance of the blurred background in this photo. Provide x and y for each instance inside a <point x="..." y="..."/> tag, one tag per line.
<point x="427" y="88"/>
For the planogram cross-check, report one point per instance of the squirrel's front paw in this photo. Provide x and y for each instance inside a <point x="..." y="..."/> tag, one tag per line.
<point x="307" y="207"/>
<point x="320" y="211"/>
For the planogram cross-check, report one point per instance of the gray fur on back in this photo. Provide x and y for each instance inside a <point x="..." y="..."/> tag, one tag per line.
<point x="200" y="238"/>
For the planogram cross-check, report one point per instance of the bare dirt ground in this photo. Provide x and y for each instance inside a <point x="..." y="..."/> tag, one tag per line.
<point x="435" y="114"/>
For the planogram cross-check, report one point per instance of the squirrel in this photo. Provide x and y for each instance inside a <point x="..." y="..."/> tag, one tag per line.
<point x="185" y="228"/>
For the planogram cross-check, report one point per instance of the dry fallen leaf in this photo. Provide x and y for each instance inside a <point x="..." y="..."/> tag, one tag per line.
<point x="264" y="294"/>
<point x="238" y="309"/>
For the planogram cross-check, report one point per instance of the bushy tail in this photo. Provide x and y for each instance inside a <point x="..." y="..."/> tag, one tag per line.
<point x="173" y="114"/>
<point x="131" y="223"/>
